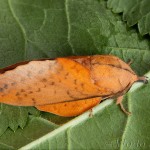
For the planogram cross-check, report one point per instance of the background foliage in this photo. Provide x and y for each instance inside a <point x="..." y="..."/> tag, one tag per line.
<point x="134" y="12"/>
<point x="47" y="29"/>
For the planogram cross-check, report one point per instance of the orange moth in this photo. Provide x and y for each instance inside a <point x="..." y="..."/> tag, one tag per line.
<point x="66" y="86"/>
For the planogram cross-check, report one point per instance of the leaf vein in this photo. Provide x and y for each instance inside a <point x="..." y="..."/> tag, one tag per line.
<point x="69" y="28"/>
<point x="21" y="27"/>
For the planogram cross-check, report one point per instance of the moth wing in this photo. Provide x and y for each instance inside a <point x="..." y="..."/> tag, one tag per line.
<point x="47" y="82"/>
<point x="70" y="109"/>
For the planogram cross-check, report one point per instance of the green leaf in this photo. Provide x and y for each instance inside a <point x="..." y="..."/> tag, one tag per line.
<point x="109" y="128"/>
<point x="14" y="140"/>
<point x="14" y="117"/>
<point x="134" y="12"/>
<point x="43" y="28"/>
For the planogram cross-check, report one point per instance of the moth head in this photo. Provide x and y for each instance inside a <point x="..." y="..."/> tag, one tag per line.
<point x="143" y="79"/>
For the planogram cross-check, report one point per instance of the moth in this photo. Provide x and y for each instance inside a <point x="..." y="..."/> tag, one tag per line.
<point x="66" y="86"/>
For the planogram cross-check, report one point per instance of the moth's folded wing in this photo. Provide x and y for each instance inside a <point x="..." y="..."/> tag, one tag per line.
<point x="69" y="109"/>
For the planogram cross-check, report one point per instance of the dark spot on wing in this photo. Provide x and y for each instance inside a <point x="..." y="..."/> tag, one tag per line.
<point x="13" y="83"/>
<point x="17" y="94"/>
<point x="75" y="81"/>
<point x="34" y="102"/>
<point x="68" y="92"/>
<point x="38" y="90"/>
<point x="75" y="88"/>
<point x="52" y="83"/>
<point x="82" y="85"/>
<point x="25" y="95"/>
<point x="66" y="75"/>
<point x="55" y="92"/>
<point x="1" y="89"/>
<point x="5" y="86"/>
<point x="22" y="90"/>
<point x="30" y="92"/>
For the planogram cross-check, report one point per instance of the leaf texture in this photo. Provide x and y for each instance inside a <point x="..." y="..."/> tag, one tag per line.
<point x="134" y="12"/>
<point x="48" y="29"/>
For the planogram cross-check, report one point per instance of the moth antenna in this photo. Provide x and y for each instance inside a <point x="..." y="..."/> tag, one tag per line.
<point x="143" y="79"/>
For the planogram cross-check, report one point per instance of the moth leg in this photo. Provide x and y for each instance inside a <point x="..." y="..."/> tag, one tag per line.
<point x="119" y="101"/>
<point x="129" y="62"/>
<point x="91" y="113"/>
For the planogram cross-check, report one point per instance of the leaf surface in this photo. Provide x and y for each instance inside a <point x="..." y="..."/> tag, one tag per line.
<point x="14" y="117"/>
<point x="134" y="12"/>
<point x="41" y="29"/>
